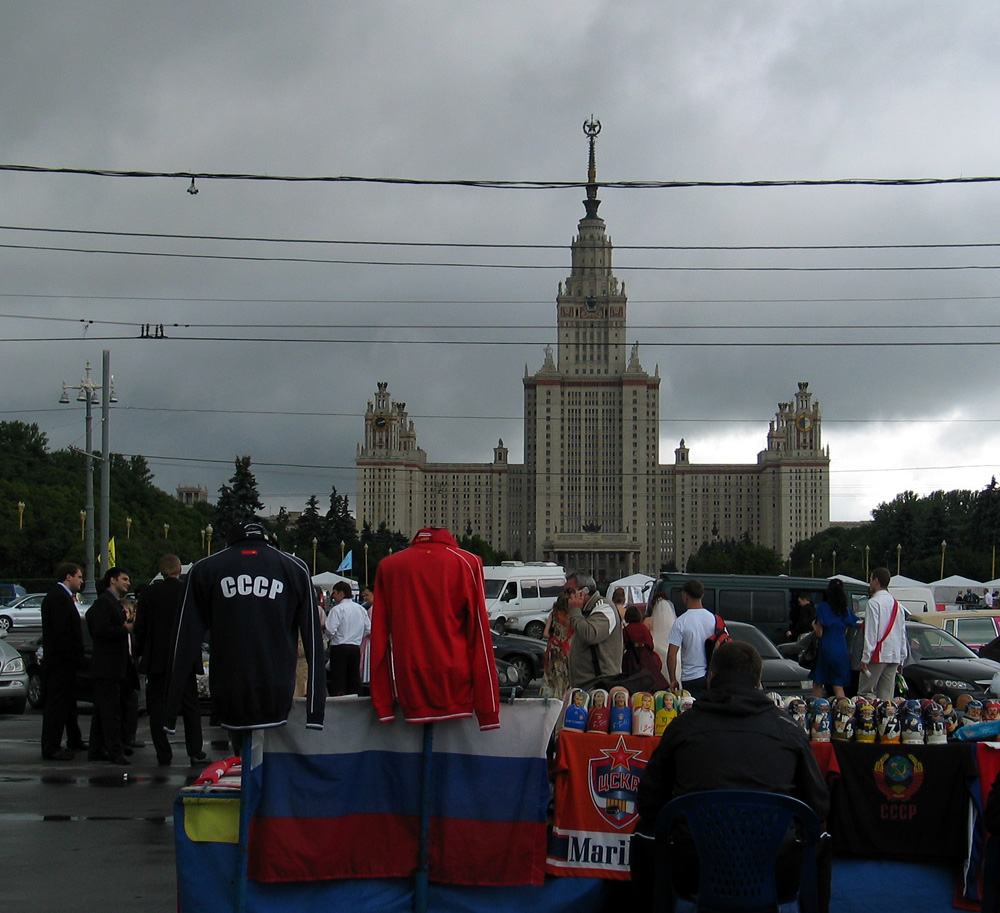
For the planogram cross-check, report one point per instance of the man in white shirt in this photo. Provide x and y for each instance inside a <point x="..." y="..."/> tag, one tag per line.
<point x="688" y="636"/>
<point x="347" y="624"/>
<point x="885" y="639"/>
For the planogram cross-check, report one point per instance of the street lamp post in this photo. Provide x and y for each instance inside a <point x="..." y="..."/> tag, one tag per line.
<point x="833" y="573"/>
<point x="20" y="514"/>
<point x="944" y="545"/>
<point x="812" y="565"/>
<point x="899" y="557"/>
<point x="87" y="395"/>
<point x="367" y="578"/>
<point x="166" y="529"/>
<point x="128" y="527"/>
<point x="868" y="575"/>
<point x="208" y="537"/>
<point x="315" y="543"/>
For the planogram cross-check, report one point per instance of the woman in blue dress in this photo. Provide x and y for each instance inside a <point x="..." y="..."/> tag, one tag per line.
<point x="833" y="617"/>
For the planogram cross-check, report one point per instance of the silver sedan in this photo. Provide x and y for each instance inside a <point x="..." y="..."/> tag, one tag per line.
<point x="25" y="612"/>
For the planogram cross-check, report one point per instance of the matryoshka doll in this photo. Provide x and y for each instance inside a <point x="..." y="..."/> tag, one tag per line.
<point x="913" y="723"/>
<point x="621" y="714"/>
<point x="973" y="712"/>
<point x="819" y="726"/>
<point x="951" y="722"/>
<point x="991" y="711"/>
<point x="599" y="717"/>
<point x="663" y="701"/>
<point x="575" y="713"/>
<point x="843" y="719"/>
<point x="797" y="710"/>
<point x="779" y="701"/>
<point x="684" y="701"/>
<point x="643" y="714"/>
<point x="934" y="732"/>
<point x="889" y="724"/>
<point x="864" y="720"/>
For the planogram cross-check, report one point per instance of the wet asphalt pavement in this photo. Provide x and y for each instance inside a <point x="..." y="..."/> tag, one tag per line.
<point x="81" y="836"/>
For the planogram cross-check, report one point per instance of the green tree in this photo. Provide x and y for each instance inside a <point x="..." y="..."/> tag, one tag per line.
<point x="239" y="501"/>
<point x="735" y="556"/>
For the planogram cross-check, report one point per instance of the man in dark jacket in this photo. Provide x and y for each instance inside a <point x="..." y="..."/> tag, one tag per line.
<point x="734" y="737"/>
<point x="109" y="667"/>
<point x="153" y="642"/>
<point x="62" y="643"/>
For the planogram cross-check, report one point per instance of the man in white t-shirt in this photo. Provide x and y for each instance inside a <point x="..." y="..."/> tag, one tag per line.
<point x="886" y="646"/>
<point x="688" y="636"/>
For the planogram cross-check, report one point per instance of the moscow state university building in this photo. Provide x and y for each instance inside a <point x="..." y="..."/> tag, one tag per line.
<point x="592" y="493"/>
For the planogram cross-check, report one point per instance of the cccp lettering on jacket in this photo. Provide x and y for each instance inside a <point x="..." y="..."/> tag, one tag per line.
<point x="245" y="585"/>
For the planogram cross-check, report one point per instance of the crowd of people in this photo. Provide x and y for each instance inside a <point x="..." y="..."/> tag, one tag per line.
<point x="128" y="638"/>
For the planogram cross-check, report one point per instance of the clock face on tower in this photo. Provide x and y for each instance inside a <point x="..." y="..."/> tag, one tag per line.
<point x="804" y="422"/>
<point x="380" y="421"/>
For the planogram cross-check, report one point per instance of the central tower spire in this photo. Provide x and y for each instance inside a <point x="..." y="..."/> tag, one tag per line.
<point x="591" y="128"/>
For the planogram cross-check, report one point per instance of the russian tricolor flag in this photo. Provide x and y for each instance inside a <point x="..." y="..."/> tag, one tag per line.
<point x="344" y="802"/>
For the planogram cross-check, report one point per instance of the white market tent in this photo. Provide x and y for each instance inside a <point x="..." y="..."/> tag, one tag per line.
<point x="327" y="579"/>
<point x="846" y="579"/>
<point x="947" y="589"/>
<point x="899" y="580"/>
<point x="637" y="588"/>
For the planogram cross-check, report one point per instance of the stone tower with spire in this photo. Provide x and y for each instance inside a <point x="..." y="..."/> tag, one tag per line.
<point x="590" y="417"/>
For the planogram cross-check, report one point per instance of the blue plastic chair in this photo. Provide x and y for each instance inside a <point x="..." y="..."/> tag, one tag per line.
<point x="737" y="835"/>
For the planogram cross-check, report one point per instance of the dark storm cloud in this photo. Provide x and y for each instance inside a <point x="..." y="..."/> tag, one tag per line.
<point x="455" y="90"/>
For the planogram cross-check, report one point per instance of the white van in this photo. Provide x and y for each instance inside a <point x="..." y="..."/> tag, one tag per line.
<point x="915" y="599"/>
<point x="523" y="593"/>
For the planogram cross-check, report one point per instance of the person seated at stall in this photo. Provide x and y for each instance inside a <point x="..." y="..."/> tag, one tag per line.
<point x="734" y="737"/>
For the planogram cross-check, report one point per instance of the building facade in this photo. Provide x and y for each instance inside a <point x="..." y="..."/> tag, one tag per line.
<point x="592" y="492"/>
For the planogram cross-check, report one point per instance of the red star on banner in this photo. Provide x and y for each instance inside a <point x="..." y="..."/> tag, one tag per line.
<point x="620" y="755"/>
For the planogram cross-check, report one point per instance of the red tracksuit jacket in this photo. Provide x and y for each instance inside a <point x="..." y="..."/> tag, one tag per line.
<point x="430" y="644"/>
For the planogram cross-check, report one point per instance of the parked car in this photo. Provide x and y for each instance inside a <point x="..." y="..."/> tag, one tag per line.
<point x="32" y="652"/>
<point x="13" y="679"/>
<point x="23" y="612"/>
<point x="974" y="627"/>
<point x="780" y="674"/>
<point x="938" y="663"/>
<point x="11" y="591"/>
<point x="526" y="654"/>
<point x="508" y="679"/>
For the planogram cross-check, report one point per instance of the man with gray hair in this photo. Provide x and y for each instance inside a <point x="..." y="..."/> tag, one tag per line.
<point x="596" y="646"/>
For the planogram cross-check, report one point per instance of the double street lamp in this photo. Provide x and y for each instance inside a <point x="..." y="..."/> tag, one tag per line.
<point x="87" y="394"/>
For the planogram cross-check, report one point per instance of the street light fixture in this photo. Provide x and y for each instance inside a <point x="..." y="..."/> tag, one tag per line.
<point x="128" y="527"/>
<point x="944" y="545"/>
<point x="315" y="543"/>
<point x="834" y="572"/>
<point x="868" y="575"/>
<point x="87" y="394"/>
<point x="20" y="514"/>
<point x="812" y="565"/>
<point x="208" y="536"/>
<point x="166" y="529"/>
<point x="899" y="556"/>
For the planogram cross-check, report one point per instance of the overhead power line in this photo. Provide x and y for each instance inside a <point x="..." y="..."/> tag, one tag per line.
<point x="493" y="327"/>
<point x="491" y="246"/>
<point x="490" y="184"/>
<point x="479" y="301"/>
<point x="335" y="261"/>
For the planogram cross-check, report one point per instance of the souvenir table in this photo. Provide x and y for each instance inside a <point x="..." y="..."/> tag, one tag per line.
<point x="297" y="860"/>
<point x="335" y="818"/>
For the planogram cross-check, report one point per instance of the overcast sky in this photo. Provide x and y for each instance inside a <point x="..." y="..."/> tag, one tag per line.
<point x="275" y="357"/>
